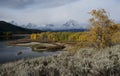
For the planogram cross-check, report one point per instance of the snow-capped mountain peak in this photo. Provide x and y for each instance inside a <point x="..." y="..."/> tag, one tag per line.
<point x="69" y="25"/>
<point x="30" y="26"/>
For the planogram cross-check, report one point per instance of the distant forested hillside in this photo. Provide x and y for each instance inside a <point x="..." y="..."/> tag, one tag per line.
<point x="8" y="27"/>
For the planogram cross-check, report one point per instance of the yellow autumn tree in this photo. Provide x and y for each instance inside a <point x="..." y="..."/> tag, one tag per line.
<point x="33" y="36"/>
<point x="102" y="28"/>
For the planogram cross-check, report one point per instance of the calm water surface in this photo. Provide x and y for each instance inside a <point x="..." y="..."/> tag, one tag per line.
<point x="9" y="53"/>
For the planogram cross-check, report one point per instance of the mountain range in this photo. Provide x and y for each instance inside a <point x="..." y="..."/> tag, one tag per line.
<point x="70" y="25"/>
<point x="13" y="27"/>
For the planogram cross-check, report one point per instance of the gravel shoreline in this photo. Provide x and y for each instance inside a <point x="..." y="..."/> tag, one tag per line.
<point x="41" y="47"/>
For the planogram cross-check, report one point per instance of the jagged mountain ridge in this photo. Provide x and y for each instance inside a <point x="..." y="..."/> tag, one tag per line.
<point x="70" y="25"/>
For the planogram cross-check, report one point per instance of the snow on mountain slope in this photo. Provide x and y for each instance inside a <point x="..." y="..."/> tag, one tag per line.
<point x="69" y="25"/>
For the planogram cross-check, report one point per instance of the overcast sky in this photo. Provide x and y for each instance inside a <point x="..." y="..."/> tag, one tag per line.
<point x="54" y="11"/>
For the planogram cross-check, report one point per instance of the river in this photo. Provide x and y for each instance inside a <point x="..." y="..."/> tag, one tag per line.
<point x="10" y="53"/>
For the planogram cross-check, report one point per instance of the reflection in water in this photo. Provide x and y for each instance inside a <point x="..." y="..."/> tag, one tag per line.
<point x="10" y="53"/>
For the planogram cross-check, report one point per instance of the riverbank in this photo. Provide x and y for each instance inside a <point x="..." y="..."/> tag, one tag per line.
<point x="85" y="62"/>
<point x="41" y="46"/>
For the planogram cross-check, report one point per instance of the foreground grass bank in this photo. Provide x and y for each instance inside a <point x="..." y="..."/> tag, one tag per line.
<point x="85" y="62"/>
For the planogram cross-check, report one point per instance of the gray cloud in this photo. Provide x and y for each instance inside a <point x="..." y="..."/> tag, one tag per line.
<point x="15" y="3"/>
<point x="40" y="12"/>
<point x="21" y="4"/>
